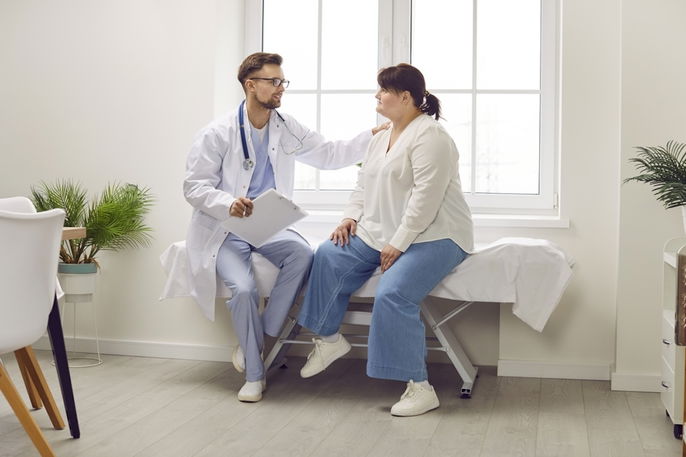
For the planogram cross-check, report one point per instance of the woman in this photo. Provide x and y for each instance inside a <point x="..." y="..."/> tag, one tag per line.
<point x="407" y="216"/>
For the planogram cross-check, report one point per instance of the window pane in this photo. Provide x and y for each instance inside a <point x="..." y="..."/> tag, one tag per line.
<point x="508" y="44"/>
<point x="507" y="143"/>
<point x="442" y="42"/>
<point x="350" y="42"/>
<point x="297" y="45"/>
<point x="343" y="117"/>
<point x="457" y="119"/>
<point x="303" y="107"/>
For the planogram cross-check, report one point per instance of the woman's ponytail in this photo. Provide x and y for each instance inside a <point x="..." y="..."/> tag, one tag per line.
<point x="431" y="105"/>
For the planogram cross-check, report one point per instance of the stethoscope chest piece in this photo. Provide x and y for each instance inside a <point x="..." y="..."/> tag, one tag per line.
<point x="248" y="164"/>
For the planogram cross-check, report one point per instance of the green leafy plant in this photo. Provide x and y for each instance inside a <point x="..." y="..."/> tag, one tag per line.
<point x="113" y="221"/>
<point x="664" y="169"/>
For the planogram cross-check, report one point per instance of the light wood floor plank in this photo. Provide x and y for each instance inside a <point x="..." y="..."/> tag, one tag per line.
<point x="464" y="422"/>
<point x="610" y="425"/>
<point x="562" y="430"/>
<point x="514" y="421"/>
<point x="654" y="428"/>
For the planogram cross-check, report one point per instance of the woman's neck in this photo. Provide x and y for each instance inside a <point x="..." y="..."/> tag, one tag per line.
<point x="404" y="120"/>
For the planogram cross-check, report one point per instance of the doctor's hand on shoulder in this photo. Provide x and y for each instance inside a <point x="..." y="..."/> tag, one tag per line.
<point x="343" y="232"/>
<point x="241" y="207"/>
<point x="381" y="127"/>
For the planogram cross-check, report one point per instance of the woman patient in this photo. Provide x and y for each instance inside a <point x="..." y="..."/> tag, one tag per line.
<point x="407" y="216"/>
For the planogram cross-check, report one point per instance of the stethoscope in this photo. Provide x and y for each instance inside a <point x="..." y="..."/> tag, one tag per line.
<point x="248" y="163"/>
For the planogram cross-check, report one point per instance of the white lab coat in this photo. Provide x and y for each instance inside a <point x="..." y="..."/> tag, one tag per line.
<point x="215" y="177"/>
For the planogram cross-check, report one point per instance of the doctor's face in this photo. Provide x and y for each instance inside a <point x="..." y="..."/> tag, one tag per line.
<point x="263" y="89"/>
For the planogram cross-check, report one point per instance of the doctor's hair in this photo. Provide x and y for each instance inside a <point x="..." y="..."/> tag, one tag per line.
<point x="255" y="62"/>
<point x="405" y="77"/>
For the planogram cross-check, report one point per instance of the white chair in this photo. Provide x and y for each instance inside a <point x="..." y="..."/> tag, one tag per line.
<point x="29" y="243"/>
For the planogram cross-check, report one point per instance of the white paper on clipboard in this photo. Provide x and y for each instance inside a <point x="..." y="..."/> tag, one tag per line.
<point x="272" y="212"/>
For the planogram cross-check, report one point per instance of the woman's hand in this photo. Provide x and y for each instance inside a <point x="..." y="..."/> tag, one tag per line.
<point x="241" y="207"/>
<point x="389" y="255"/>
<point x="343" y="232"/>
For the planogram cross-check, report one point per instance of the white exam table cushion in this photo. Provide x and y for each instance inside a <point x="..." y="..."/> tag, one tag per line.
<point x="530" y="273"/>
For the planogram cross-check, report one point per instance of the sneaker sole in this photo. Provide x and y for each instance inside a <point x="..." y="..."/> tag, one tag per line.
<point x="338" y="356"/>
<point x="412" y="414"/>
<point x="250" y="399"/>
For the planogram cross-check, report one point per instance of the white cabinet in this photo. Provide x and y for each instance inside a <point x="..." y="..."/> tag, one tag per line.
<point x="672" y="394"/>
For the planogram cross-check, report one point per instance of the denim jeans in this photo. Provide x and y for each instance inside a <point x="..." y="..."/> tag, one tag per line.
<point x="288" y="251"/>
<point x="397" y="345"/>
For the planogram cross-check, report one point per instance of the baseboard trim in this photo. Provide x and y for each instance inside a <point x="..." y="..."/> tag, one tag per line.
<point x="634" y="382"/>
<point x="531" y="369"/>
<point x="145" y="349"/>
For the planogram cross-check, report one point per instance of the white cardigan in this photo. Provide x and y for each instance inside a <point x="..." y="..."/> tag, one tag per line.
<point x="411" y="194"/>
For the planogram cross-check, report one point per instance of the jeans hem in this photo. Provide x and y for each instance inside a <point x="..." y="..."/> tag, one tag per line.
<point x="395" y="374"/>
<point x="316" y="327"/>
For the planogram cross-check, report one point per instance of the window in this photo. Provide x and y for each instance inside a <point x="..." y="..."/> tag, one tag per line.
<point x="492" y="63"/>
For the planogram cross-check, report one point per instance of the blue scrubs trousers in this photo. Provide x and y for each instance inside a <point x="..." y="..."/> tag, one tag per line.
<point x="293" y="256"/>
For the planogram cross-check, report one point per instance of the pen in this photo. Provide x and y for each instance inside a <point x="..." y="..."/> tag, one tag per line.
<point x="244" y="211"/>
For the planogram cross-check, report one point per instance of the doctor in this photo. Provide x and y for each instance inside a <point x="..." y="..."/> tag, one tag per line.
<point x="233" y="160"/>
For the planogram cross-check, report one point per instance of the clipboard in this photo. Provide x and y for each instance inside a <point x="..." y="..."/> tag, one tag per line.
<point x="272" y="212"/>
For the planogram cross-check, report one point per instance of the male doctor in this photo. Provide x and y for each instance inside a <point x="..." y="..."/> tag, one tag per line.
<point x="233" y="160"/>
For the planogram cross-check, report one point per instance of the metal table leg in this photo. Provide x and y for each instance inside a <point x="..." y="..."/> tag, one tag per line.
<point x="59" y="353"/>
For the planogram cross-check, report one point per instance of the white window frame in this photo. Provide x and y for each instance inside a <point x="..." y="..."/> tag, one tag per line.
<point x="394" y="47"/>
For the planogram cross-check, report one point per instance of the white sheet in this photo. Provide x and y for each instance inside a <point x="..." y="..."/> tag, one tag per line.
<point x="530" y="273"/>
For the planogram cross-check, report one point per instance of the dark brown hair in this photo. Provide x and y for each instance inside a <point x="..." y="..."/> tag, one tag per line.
<point x="405" y="77"/>
<point x="255" y="62"/>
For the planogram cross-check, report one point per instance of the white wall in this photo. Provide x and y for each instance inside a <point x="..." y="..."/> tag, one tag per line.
<point x="653" y="111"/>
<point x="102" y="91"/>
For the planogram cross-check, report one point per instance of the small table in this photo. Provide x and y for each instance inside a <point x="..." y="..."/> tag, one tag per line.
<point x="59" y="350"/>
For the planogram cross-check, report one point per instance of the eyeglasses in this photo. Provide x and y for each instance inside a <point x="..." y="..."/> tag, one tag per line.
<point x="276" y="81"/>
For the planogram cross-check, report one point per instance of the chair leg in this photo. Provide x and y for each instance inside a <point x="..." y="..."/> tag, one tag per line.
<point x="22" y="413"/>
<point x="36" y="402"/>
<point x="28" y="359"/>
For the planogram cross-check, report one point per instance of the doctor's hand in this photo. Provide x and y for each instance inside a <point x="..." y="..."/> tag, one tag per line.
<point x="344" y="231"/>
<point x="241" y="207"/>
<point x="381" y="127"/>
<point x="389" y="255"/>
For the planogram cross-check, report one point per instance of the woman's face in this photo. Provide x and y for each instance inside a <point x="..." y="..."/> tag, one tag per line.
<point x="391" y="104"/>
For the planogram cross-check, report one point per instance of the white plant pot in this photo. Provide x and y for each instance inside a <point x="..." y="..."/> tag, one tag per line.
<point x="683" y="220"/>
<point x="78" y="287"/>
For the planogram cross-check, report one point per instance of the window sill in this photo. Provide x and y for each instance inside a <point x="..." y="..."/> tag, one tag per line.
<point x="480" y="220"/>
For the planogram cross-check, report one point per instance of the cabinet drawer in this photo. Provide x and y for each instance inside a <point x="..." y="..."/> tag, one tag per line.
<point x="667" y="385"/>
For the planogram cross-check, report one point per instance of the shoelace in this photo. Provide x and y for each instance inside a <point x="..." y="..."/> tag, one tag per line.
<point x="317" y="347"/>
<point x="410" y="391"/>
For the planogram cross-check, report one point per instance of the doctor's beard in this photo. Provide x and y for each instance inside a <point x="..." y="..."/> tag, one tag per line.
<point x="272" y="103"/>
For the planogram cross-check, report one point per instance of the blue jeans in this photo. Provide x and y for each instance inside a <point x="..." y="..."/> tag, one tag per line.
<point x="288" y="251"/>
<point x="397" y="344"/>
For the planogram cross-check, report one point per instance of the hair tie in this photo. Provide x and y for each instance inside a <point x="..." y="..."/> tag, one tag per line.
<point x="426" y="93"/>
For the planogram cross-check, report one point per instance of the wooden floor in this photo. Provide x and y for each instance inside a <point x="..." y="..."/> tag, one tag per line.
<point x="142" y="407"/>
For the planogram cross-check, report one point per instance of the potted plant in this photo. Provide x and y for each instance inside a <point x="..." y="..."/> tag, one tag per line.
<point x="664" y="169"/>
<point x="114" y="220"/>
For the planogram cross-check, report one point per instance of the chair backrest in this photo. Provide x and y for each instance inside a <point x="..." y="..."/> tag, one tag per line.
<point x="17" y="204"/>
<point x="29" y="248"/>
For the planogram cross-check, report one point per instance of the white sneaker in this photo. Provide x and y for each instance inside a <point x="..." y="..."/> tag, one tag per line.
<point x="323" y="355"/>
<point x="238" y="359"/>
<point x="252" y="391"/>
<point x="415" y="401"/>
